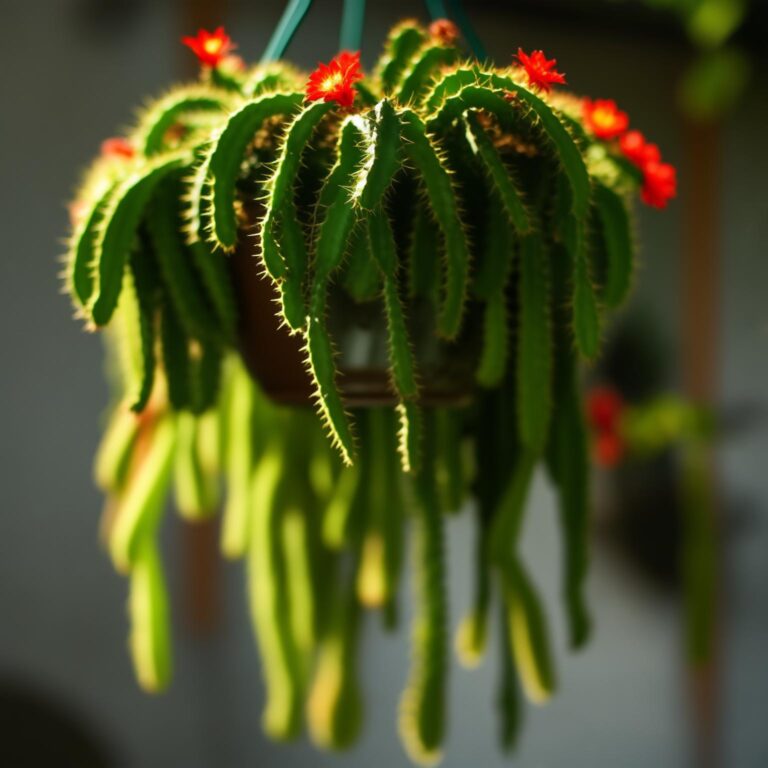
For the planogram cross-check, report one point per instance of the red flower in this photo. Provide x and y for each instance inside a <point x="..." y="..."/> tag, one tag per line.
<point x="659" y="184"/>
<point x="637" y="150"/>
<point x="444" y="31"/>
<point x="604" y="410"/>
<point x="210" y="47"/>
<point x="604" y="407"/>
<point x="335" y="80"/>
<point x="608" y="449"/>
<point x="540" y="70"/>
<point x="604" y="118"/>
<point x="117" y="147"/>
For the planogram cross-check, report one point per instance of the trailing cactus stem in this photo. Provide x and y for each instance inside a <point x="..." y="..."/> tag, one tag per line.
<point x="420" y="148"/>
<point x="422" y="707"/>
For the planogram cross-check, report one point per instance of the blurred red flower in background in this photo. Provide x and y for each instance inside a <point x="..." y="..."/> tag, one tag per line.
<point x="604" y="410"/>
<point x="604" y="118"/>
<point x="659" y="184"/>
<point x="637" y="150"/>
<point x="210" y="47"/>
<point x="117" y="147"/>
<point x="444" y="31"/>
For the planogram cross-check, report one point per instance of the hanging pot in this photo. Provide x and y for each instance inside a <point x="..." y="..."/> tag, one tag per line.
<point x="276" y="359"/>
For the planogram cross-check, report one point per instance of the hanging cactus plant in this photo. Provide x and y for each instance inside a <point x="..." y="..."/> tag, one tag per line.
<point x="436" y="187"/>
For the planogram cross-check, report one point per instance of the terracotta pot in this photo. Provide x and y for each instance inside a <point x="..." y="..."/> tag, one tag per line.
<point x="276" y="359"/>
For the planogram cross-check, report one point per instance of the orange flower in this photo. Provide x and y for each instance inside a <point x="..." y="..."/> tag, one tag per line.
<point x="210" y="47"/>
<point x="604" y="118"/>
<point x="540" y="70"/>
<point x="444" y="31"/>
<point x="335" y="81"/>
<point x="659" y="184"/>
<point x="608" y="449"/>
<point x="604" y="407"/>
<point x="117" y="147"/>
<point x="637" y="150"/>
<point x="604" y="410"/>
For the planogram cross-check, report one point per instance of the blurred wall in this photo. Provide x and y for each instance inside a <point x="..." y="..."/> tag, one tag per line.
<point x="73" y="70"/>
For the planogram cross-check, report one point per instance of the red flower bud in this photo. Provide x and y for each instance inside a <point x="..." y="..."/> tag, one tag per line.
<point x="117" y="147"/>
<point x="444" y="31"/>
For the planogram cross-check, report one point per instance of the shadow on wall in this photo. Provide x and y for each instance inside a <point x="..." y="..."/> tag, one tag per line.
<point x="39" y="729"/>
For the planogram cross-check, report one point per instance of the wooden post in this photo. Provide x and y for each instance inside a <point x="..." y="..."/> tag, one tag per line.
<point x="700" y="280"/>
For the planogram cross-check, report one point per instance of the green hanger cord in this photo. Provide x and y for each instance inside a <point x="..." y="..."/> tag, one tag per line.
<point x="459" y="15"/>
<point x="352" y="25"/>
<point x="286" y="29"/>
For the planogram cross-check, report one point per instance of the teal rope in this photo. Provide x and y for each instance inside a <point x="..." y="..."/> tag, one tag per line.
<point x="436" y="9"/>
<point x="286" y="29"/>
<point x="465" y="25"/>
<point x="352" y="25"/>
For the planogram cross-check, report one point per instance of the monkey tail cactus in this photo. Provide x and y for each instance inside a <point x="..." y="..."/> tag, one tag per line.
<point x="436" y="181"/>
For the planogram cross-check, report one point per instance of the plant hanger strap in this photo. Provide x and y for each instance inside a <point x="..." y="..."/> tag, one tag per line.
<point x="453" y="9"/>
<point x="465" y="25"/>
<point x="286" y="28"/>
<point x="352" y="19"/>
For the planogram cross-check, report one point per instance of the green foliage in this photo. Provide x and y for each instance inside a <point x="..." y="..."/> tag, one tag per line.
<point x="320" y="355"/>
<point x="225" y="158"/>
<point x="168" y="112"/>
<point x="150" y="641"/>
<point x="195" y="477"/>
<point x="506" y="188"/>
<point x="382" y="244"/>
<point x="118" y="230"/>
<point x="141" y="505"/>
<point x="335" y="706"/>
<point x="421" y="150"/>
<point x="177" y="363"/>
<point x="528" y="634"/>
<point x="381" y="161"/>
<point x="586" y="314"/>
<point x="134" y="328"/>
<point x="217" y="284"/>
<point x="568" y="464"/>
<point x="403" y="42"/>
<point x="617" y="236"/>
<point x="270" y="605"/>
<point x="422" y="707"/>
<point x="491" y="282"/>
<point x="114" y="453"/>
<point x="421" y="71"/>
<point x="186" y="293"/>
<point x="534" y="345"/>
<point x="280" y="185"/>
<point x="239" y="415"/>
<point x="81" y="255"/>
